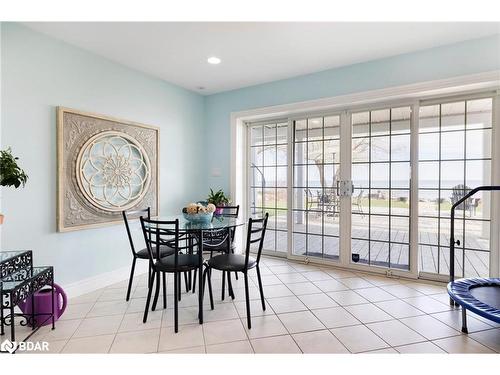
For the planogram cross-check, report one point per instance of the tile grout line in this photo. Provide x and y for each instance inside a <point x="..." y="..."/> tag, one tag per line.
<point x="81" y="321"/>
<point x="370" y="302"/>
<point x="301" y="272"/>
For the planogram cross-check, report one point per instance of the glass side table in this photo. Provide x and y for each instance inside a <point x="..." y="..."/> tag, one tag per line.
<point x="13" y="261"/>
<point x="19" y="282"/>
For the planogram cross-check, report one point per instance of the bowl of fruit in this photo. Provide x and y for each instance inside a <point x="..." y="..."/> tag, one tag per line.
<point x="199" y="213"/>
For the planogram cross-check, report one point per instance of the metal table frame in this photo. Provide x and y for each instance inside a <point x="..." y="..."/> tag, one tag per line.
<point x="18" y="269"/>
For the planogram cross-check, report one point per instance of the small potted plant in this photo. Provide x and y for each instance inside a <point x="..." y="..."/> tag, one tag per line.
<point x="10" y="173"/>
<point x="218" y="199"/>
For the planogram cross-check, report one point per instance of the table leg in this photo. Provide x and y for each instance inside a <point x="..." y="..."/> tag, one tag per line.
<point x="200" y="277"/>
<point x="53" y="301"/>
<point x="12" y="322"/>
<point x="190" y="249"/>
<point x="229" y="241"/>
<point x="2" y="332"/>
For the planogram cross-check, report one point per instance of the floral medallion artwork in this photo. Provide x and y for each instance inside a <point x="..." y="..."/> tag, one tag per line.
<point x="105" y="166"/>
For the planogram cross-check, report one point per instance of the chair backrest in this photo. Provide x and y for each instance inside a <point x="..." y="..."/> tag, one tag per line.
<point x="132" y="215"/>
<point x="256" y="233"/>
<point x="229" y="211"/>
<point x="458" y="192"/>
<point x="158" y="234"/>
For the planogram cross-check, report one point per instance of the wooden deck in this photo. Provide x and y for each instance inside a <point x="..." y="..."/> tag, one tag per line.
<point x="430" y="261"/>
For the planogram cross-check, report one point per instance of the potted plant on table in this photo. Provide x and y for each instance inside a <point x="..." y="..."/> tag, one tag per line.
<point x="10" y="173"/>
<point x="219" y="199"/>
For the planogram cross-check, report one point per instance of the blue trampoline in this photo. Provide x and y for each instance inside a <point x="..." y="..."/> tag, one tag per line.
<point x="479" y="295"/>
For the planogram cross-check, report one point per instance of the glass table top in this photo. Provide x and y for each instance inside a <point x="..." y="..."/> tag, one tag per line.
<point x="10" y="282"/>
<point x="5" y="255"/>
<point x="217" y="223"/>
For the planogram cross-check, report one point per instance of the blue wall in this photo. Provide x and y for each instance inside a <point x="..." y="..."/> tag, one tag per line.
<point x="480" y="55"/>
<point x="40" y="73"/>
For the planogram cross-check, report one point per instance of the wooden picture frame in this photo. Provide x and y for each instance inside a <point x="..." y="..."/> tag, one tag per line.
<point x="104" y="165"/>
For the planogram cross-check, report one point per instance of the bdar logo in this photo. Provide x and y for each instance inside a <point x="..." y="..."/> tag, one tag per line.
<point x="8" y="346"/>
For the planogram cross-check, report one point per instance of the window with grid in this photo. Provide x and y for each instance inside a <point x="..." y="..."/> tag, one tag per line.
<point x="268" y="180"/>
<point x="454" y="157"/>
<point x="380" y="215"/>
<point x="316" y="204"/>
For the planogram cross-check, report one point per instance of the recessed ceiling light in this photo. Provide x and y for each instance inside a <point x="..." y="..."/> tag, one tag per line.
<point x="213" y="60"/>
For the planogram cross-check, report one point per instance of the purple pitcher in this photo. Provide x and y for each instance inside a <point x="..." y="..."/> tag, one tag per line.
<point x="43" y="302"/>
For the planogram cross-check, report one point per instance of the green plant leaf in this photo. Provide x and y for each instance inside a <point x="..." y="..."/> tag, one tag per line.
<point x="10" y="173"/>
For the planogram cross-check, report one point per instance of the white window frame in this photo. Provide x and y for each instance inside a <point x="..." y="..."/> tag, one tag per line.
<point x="397" y="96"/>
<point x="248" y="125"/>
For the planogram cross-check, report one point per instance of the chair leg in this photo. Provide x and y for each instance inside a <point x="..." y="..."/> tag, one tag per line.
<point x="179" y="286"/>
<point x="230" y="285"/>
<point x="261" y="289"/>
<point x="130" y="279"/>
<point x="164" y="279"/>
<point x="247" y="297"/>
<point x="157" y="290"/>
<point x="148" y="299"/>
<point x="236" y="273"/>
<point x="210" y="288"/>
<point x="204" y="282"/>
<point x="223" y="284"/>
<point x="176" y="303"/>
<point x="186" y="281"/>
<point x="149" y="273"/>
<point x="194" y="281"/>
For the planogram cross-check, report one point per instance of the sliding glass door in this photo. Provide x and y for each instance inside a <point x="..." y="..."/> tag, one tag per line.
<point x="316" y="204"/>
<point x="268" y="170"/>
<point x="454" y="157"/>
<point x="380" y="213"/>
<point x="338" y="187"/>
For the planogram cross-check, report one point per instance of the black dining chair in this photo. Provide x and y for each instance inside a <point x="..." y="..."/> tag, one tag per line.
<point x="216" y="241"/>
<point x="256" y="232"/>
<point x="182" y="260"/>
<point x="211" y="241"/>
<point x="142" y="253"/>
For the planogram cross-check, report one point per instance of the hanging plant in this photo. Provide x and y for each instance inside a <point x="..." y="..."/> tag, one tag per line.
<point x="10" y="173"/>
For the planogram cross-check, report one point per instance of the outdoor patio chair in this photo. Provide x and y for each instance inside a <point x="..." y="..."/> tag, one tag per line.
<point x="458" y="192"/>
<point x="357" y="203"/>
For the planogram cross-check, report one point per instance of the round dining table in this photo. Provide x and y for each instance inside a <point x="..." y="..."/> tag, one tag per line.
<point x="219" y="228"/>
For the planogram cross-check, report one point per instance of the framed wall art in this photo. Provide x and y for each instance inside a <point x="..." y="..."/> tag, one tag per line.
<point x="104" y="166"/>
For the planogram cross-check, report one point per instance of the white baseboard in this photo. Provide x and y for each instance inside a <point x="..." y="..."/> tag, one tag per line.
<point x="103" y="280"/>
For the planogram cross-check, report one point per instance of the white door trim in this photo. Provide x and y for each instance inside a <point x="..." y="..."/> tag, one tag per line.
<point x="422" y="90"/>
<point x="495" y="198"/>
<point x="418" y="91"/>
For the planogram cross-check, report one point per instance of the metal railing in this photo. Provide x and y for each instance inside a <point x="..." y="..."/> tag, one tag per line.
<point x="452" y="225"/>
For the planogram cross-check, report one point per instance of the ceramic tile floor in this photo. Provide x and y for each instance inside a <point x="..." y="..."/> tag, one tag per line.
<point x="309" y="310"/>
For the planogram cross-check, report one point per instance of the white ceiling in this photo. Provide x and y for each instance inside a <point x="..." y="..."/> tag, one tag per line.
<point x="252" y="53"/>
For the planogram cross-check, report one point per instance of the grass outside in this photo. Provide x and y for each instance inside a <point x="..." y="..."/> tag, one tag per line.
<point x="445" y="206"/>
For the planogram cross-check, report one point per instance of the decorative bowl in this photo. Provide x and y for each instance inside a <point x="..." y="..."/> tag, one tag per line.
<point x="199" y="218"/>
